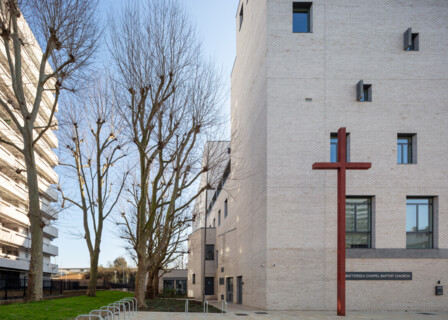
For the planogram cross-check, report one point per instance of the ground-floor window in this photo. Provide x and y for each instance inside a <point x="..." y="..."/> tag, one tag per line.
<point x="358" y="217"/>
<point x="419" y="223"/>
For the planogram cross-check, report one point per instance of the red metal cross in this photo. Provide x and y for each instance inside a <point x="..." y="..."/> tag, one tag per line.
<point x="342" y="165"/>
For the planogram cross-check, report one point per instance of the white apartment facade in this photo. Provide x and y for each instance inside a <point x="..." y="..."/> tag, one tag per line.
<point x="302" y="71"/>
<point x="15" y="243"/>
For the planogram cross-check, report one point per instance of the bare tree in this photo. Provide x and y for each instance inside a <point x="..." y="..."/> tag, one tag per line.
<point x="159" y="253"/>
<point x="67" y="34"/>
<point x="90" y="134"/>
<point x="169" y="98"/>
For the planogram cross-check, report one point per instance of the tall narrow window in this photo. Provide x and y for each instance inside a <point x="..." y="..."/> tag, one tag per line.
<point x="301" y="17"/>
<point x="405" y="148"/>
<point x="358" y="216"/>
<point x="419" y="223"/>
<point x="334" y="147"/>
<point x="214" y="220"/>
<point x="219" y="218"/>
<point x="209" y="252"/>
<point x="225" y="209"/>
<point x="194" y="278"/>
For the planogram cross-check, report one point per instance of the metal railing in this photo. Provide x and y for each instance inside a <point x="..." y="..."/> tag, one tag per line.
<point x="16" y="288"/>
<point x="125" y="309"/>
<point x="84" y="316"/>
<point x="206" y="306"/>
<point x="223" y="303"/>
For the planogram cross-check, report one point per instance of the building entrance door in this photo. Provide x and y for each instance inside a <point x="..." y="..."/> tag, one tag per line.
<point x="229" y="290"/>
<point x="209" y="286"/>
<point x="239" y="290"/>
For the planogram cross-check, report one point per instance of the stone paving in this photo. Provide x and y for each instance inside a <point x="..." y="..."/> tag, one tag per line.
<point x="293" y="315"/>
<point x="242" y="312"/>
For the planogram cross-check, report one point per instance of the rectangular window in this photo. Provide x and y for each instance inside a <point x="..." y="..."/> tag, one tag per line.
<point x="194" y="278"/>
<point x="219" y="218"/>
<point x="358" y="217"/>
<point x="411" y="41"/>
<point x="214" y="220"/>
<point x="363" y="92"/>
<point x="221" y="281"/>
<point x="334" y="147"/>
<point x="225" y="209"/>
<point x="419" y="223"/>
<point x="209" y="252"/>
<point x="405" y="146"/>
<point x="301" y="17"/>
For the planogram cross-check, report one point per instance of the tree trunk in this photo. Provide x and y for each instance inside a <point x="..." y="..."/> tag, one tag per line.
<point x="91" y="290"/>
<point x="140" y="279"/>
<point x="34" y="291"/>
<point x="150" y="286"/>
<point x="155" y="283"/>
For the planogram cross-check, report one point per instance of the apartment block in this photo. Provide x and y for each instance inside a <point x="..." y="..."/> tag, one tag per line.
<point x="15" y="242"/>
<point x="302" y="71"/>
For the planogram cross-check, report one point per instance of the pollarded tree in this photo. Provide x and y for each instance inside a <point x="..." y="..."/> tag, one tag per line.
<point x="67" y="34"/>
<point x="169" y="99"/>
<point x="92" y="155"/>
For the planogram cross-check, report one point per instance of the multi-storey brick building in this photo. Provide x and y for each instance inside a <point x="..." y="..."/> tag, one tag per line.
<point x="303" y="70"/>
<point x="15" y="240"/>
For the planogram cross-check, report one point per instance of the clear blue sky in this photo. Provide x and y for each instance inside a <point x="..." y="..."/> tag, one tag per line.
<point x="215" y="21"/>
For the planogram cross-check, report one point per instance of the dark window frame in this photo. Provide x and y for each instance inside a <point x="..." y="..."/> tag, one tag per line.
<point x="209" y="252"/>
<point x="194" y="278"/>
<point x="334" y="143"/>
<point x="369" y="219"/>
<point x="219" y="218"/>
<point x="302" y="8"/>
<point x="411" y="40"/>
<point x="429" y="232"/>
<point x="410" y="143"/>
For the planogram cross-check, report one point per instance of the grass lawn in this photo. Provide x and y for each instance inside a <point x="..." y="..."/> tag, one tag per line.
<point x="175" y="305"/>
<point x="60" y="309"/>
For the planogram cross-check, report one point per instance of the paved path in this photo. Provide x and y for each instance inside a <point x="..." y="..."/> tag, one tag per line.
<point x="292" y="315"/>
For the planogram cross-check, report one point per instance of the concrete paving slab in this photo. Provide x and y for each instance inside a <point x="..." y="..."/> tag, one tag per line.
<point x="293" y="315"/>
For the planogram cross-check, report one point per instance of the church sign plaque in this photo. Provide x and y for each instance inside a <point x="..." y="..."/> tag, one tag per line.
<point x="378" y="276"/>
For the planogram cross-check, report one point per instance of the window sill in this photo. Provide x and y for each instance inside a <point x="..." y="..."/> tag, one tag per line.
<point x="357" y="253"/>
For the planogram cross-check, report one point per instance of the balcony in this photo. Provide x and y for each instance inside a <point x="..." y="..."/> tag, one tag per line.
<point x="13" y="262"/>
<point x="47" y="152"/>
<point x="50" y="268"/>
<point x="14" y="238"/>
<point x="46" y="170"/>
<point x="51" y="231"/>
<point x="14" y="213"/>
<point x="50" y="249"/>
<point x="9" y="186"/>
<point x="12" y="162"/>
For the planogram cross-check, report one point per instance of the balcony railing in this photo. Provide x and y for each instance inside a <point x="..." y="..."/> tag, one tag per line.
<point x="51" y="231"/>
<point x="13" y="262"/>
<point x="14" y="213"/>
<point x="50" y="249"/>
<point x="15" y="238"/>
<point x="11" y="187"/>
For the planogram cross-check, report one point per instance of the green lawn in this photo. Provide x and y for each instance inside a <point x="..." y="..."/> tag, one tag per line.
<point x="175" y="305"/>
<point x="60" y="309"/>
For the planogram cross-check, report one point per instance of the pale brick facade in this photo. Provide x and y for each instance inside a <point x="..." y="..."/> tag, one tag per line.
<point x="280" y="234"/>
